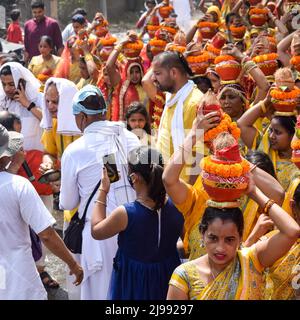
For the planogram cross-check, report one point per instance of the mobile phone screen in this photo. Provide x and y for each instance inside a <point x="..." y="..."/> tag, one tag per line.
<point x="109" y="162"/>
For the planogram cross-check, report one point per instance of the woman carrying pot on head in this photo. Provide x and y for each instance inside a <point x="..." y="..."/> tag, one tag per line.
<point x="227" y="272"/>
<point x="191" y="200"/>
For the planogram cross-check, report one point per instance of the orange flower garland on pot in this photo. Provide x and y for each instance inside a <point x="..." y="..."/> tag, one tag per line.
<point x="179" y="43"/>
<point x="227" y="68"/>
<point x="285" y="94"/>
<point x="165" y="10"/>
<point x="208" y="29"/>
<point x="295" y="62"/>
<point x="199" y="64"/>
<point x="102" y="28"/>
<point x="210" y="103"/>
<point x="295" y="144"/>
<point x="157" y="46"/>
<point x="133" y="49"/>
<point x="107" y="43"/>
<point x="225" y="175"/>
<point x="238" y="32"/>
<point x="267" y="63"/>
<point x="153" y="26"/>
<point x="258" y="16"/>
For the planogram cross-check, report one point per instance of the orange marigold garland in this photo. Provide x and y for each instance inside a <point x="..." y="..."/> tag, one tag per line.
<point x="225" y="170"/>
<point x="226" y="124"/>
<point x="225" y="174"/>
<point x="159" y="102"/>
<point x="227" y="68"/>
<point x="208" y="29"/>
<point x="133" y="49"/>
<point x="267" y="63"/>
<point x="295" y="62"/>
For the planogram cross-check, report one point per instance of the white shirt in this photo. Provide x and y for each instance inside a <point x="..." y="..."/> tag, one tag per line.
<point x="31" y="129"/>
<point x="81" y="166"/>
<point x="20" y="207"/>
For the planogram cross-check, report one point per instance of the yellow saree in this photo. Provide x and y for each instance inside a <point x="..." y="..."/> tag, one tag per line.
<point x="286" y="170"/>
<point x="282" y="277"/>
<point x="242" y="279"/>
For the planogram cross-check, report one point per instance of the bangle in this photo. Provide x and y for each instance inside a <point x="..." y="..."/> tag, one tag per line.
<point x="119" y="47"/>
<point x="245" y="59"/>
<point x="100" y="189"/>
<point x="268" y="206"/>
<point x="88" y="57"/>
<point x="101" y="202"/>
<point x="248" y="66"/>
<point x="252" y="167"/>
<point x="263" y="107"/>
<point x="32" y="105"/>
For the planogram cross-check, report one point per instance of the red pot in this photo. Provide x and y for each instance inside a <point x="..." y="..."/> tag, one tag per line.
<point x="218" y="40"/>
<point x="208" y="33"/>
<point x="258" y="19"/>
<point x="281" y="107"/>
<point x="105" y="52"/>
<point x="268" y="67"/>
<point x="157" y="50"/>
<point x="101" y="32"/>
<point x="152" y="30"/>
<point x="253" y="3"/>
<point x="199" y="67"/>
<point x="165" y="12"/>
<point x="224" y="189"/>
<point x="229" y="71"/>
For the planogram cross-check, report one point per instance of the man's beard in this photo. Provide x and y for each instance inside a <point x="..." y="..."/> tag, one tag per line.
<point x="169" y="89"/>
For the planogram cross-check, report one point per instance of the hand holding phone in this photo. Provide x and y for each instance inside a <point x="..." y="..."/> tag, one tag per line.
<point x="109" y="162"/>
<point x="21" y="83"/>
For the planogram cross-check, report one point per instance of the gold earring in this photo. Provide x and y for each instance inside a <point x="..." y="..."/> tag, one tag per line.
<point x="202" y="243"/>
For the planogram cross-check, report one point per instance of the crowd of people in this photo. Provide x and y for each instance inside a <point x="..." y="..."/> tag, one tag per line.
<point x="173" y="153"/>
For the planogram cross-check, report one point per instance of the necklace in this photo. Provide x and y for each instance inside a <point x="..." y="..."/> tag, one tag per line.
<point x="211" y="271"/>
<point x="142" y="202"/>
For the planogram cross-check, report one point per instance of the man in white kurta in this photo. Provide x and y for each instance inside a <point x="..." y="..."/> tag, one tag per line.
<point x="82" y="164"/>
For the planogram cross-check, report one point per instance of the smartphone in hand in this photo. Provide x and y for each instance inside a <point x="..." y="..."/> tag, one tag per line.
<point x="109" y="162"/>
<point x="23" y="83"/>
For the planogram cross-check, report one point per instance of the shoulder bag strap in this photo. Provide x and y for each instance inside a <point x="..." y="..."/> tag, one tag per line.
<point x="89" y="201"/>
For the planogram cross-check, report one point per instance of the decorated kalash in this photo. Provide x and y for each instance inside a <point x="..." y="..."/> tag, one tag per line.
<point x="285" y="95"/>
<point x="210" y="103"/>
<point x="225" y="174"/>
<point x="265" y="56"/>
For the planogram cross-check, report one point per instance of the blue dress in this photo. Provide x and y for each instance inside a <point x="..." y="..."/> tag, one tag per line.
<point x="147" y="254"/>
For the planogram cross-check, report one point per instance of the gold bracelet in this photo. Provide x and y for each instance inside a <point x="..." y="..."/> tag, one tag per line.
<point x="268" y="206"/>
<point x="88" y="57"/>
<point x="119" y="48"/>
<point x="101" y="202"/>
<point x="253" y="167"/>
<point x="100" y="189"/>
